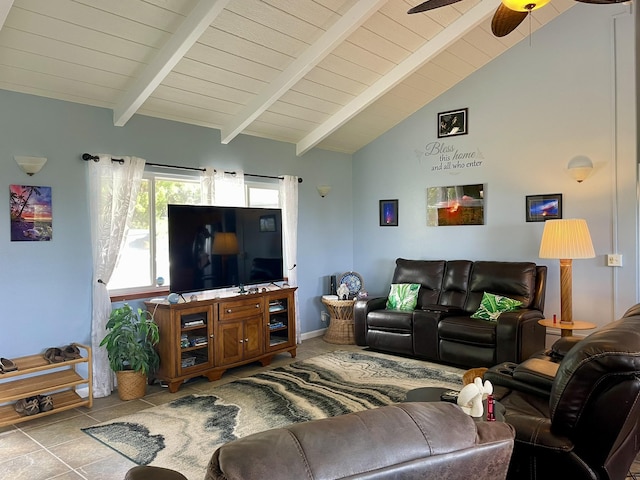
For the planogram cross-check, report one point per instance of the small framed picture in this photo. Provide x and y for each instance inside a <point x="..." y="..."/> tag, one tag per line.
<point x="268" y="223"/>
<point x="453" y="122"/>
<point x="388" y="213"/>
<point x="544" y="207"/>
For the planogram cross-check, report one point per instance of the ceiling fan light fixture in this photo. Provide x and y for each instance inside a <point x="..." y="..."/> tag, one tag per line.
<point x="524" y="5"/>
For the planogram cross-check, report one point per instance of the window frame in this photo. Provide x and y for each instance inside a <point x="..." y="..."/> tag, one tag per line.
<point x="145" y="291"/>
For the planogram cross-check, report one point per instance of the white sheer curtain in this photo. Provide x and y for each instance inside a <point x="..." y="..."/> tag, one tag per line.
<point x="221" y="188"/>
<point x="113" y="189"/>
<point x="208" y="186"/>
<point x="289" y="204"/>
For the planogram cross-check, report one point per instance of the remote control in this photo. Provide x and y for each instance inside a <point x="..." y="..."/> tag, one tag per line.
<point x="450" y="396"/>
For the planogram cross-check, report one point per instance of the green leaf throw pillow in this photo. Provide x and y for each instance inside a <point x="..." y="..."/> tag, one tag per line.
<point x="403" y="296"/>
<point x="492" y="306"/>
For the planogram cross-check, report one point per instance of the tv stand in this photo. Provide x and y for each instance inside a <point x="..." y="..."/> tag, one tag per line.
<point x="207" y="337"/>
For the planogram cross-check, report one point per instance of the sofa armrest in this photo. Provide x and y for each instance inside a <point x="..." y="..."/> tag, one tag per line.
<point x="562" y="346"/>
<point x="519" y="335"/>
<point x="532" y="431"/>
<point x="360" y="311"/>
<point x="531" y="376"/>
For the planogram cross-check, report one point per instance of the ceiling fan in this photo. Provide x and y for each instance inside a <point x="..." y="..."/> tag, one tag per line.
<point x="509" y="14"/>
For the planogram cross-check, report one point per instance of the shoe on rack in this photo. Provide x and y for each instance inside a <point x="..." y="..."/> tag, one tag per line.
<point x="54" y="355"/>
<point x="71" y="352"/>
<point x="7" y="365"/>
<point x="45" y="403"/>
<point x="27" y="406"/>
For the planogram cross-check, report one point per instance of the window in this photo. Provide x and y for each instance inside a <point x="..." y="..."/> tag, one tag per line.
<point x="145" y="254"/>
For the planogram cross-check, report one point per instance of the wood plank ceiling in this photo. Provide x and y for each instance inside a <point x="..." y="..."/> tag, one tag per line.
<point x="334" y="74"/>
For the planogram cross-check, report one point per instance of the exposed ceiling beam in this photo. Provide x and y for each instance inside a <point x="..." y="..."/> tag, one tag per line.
<point x="429" y="50"/>
<point x="337" y="33"/>
<point x="5" y="6"/>
<point x="168" y="56"/>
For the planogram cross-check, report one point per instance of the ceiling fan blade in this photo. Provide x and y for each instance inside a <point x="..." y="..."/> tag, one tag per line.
<point x="430" y="5"/>
<point x="506" y="20"/>
<point x="602" y="2"/>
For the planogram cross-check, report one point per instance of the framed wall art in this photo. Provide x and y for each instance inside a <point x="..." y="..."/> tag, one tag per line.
<point x="31" y="213"/>
<point x="388" y="213"/>
<point x="543" y="207"/>
<point x="453" y="122"/>
<point x="456" y="205"/>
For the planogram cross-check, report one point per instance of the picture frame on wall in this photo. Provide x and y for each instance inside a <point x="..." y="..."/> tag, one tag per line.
<point x="389" y="213"/>
<point x="543" y="207"/>
<point x="453" y="122"/>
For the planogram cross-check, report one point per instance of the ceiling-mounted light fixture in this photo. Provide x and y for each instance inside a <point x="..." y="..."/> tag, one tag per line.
<point x="524" y="5"/>
<point x="580" y="168"/>
<point x="30" y="165"/>
<point x="323" y="190"/>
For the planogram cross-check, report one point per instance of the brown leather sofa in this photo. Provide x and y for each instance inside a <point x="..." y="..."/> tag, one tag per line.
<point x="578" y="418"/>
<point x="405" y="440"/>
<point x="441" y="329"/>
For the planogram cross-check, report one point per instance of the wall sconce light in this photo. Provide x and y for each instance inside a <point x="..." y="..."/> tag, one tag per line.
<point x="580" y="168"/>
<point x="30" y="165"/>
<point x="324" y="190"/>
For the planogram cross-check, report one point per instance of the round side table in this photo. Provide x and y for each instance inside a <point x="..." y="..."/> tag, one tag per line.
<point x="566" y="329"/>
<point x="340" y="329"/>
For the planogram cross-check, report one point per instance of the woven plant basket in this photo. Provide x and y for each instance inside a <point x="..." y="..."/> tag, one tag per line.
<point x="131" y="385"/>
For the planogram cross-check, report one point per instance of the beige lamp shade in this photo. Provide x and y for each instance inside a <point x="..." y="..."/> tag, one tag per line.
<point x="566" y="238"/>
<point x="225" y="243"/>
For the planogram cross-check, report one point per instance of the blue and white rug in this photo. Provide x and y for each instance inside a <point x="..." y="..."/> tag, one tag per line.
<point x="182" y="435"/>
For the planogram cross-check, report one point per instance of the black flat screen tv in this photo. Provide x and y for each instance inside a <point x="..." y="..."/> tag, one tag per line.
<point x="217" y="247"/>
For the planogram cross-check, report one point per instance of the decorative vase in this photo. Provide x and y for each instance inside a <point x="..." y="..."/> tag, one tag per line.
<point x="131" y="385"/>
<point x="343" y="292"/>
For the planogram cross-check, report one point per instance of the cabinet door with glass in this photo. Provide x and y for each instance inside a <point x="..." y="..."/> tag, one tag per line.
<point x="281" y="325"/>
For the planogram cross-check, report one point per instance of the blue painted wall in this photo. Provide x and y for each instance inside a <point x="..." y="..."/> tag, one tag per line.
<point x="46" y="286"/>
<point x="531" y="111"/>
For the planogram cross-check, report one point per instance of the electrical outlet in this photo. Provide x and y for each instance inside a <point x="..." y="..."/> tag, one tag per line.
<point x="614" y="260"/>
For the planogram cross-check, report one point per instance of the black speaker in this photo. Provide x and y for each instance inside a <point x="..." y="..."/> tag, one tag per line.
<point x="333" y="288"/>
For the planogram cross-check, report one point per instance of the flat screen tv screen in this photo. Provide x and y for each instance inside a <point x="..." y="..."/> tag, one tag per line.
<point x="217" y="247"/>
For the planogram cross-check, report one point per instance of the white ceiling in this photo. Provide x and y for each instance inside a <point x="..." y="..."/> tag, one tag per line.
<point x="329" y="73"/>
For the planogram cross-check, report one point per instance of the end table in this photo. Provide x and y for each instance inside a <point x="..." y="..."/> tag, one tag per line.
<point x="340" y="329"/>
<point x="566" y="329"/>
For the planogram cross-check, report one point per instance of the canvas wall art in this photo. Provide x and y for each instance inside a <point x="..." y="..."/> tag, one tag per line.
<point x="455" y="205"/>
<point x="30" y="213"/>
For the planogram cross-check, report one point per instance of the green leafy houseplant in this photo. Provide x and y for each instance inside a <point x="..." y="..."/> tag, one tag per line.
<point x="131" y="339"/>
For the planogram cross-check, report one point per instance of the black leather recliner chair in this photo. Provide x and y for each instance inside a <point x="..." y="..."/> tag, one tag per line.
<point x="579" y="418"/>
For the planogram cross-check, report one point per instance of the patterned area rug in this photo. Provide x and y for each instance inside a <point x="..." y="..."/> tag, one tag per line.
<point x="183" y="434"/>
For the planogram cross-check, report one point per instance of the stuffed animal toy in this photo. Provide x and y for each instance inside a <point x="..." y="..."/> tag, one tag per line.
<point x="471" y="396"/>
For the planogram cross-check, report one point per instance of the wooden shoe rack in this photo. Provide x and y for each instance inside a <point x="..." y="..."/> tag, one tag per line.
<point x="36" y="376"/>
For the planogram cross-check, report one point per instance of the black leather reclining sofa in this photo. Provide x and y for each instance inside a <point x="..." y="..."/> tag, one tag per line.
<point x="441" y="329"/>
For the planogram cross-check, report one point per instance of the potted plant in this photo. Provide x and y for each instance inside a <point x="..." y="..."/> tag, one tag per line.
<point x="130" y="343"/>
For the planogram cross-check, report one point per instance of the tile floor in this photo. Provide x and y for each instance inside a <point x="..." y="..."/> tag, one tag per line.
<point x="54" y="447"/>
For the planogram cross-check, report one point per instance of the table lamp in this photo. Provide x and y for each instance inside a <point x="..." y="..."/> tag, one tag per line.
<point x="566" y="239"/>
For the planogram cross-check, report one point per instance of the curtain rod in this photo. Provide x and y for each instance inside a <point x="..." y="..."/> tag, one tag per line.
<point x="87" y="156"/>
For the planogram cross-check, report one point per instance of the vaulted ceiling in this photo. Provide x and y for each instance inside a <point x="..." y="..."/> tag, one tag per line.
<point x="334" y="74"/>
